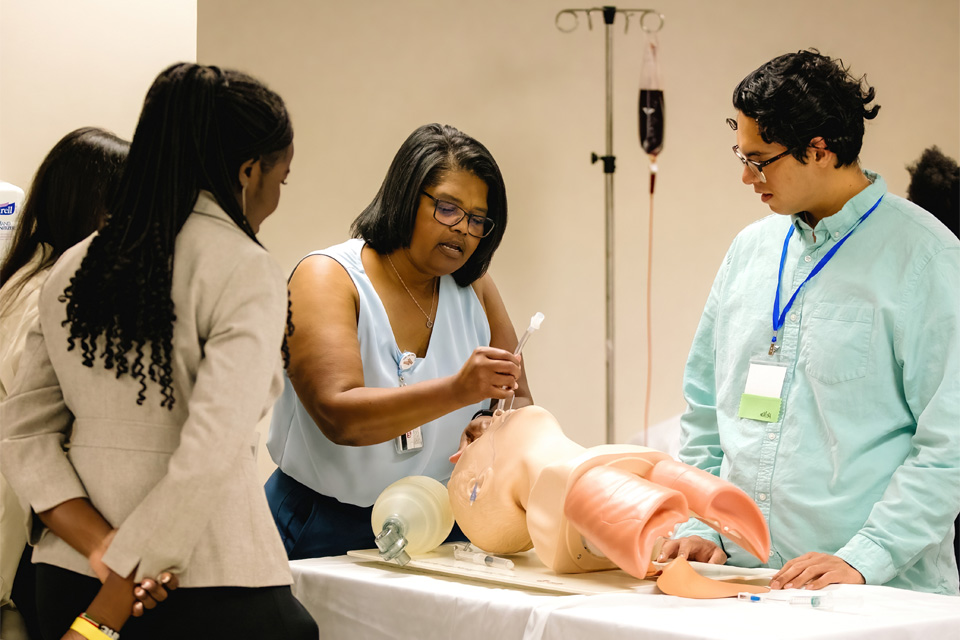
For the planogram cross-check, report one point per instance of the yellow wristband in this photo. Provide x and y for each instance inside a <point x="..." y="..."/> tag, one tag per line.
<point x="88" y="630"/>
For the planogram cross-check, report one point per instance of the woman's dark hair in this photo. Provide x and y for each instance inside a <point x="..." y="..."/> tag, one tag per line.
<point x="935" y="186"/>
<point x="199" y="124"/>
<point x="66" y="201"/>
<point x="801" y="96"/>
<point x="428" y="154"/>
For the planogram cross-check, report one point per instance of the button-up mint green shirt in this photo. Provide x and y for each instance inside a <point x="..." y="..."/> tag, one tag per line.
<point x="864" y="462"/>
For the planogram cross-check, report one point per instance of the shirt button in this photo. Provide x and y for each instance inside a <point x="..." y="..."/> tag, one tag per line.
<point x="772" y="436"/>
<point x="762" y="497"/>
<point x="793" y="317"/>
<point x="807" y="258"/>
<point x="836" y="234"/>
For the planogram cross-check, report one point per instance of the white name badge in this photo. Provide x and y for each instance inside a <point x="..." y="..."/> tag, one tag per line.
<point x="761" y="395"/>
<point x="410" y="441"/>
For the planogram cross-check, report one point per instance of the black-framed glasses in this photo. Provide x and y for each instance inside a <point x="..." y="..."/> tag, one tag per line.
<point x="449" y="214"/>
<point x="757" y="167"/>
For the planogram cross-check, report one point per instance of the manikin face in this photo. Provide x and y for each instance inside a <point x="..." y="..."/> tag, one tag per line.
<point x="263" y="188"/>
<point x="790" y="186"/>
<point x="436" y="248"/>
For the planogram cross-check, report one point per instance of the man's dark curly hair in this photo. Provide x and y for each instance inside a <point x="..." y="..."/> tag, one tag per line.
<point x="427" y="154"/>
<point x="935" y="186"/>
<point x="801" y="96"/>
<point x="199" y="124"/>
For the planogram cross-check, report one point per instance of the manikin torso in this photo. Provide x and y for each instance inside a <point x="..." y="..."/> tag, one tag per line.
<point x="524" y="483"/>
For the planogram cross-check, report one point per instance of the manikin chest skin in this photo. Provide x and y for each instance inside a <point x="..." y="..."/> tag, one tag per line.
<point x="587" y="509"/>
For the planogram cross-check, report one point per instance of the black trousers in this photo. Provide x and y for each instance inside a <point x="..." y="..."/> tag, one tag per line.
<point x="207" y="613"/>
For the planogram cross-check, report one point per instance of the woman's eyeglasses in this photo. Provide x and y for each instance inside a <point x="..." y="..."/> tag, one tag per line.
<point x="449" y="214"/>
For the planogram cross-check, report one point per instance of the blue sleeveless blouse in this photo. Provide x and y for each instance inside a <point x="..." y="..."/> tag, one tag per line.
<point x="357" y="475"/>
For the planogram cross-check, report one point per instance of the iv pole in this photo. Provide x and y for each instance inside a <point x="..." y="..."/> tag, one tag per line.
<point x="609" y="167"/>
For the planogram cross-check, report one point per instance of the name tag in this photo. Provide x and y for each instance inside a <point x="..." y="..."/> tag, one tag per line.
<point x="410" y="441"/>
<point x="761" y="396"/>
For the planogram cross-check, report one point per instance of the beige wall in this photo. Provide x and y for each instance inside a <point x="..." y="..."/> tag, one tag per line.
<point x="359" y="76"/>
<point x="71" y="63"/>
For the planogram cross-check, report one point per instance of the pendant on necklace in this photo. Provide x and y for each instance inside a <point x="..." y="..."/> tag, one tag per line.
<point x="429" y="323"/>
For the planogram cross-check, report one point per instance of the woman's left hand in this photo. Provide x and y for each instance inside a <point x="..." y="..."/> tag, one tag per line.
<point x="474" y="430"/>
<point x="150" y="593"/>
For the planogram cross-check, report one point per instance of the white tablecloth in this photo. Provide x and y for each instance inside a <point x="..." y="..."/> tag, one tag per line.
<point x="357" y="600"/>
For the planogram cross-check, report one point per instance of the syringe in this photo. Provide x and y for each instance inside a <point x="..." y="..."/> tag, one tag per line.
<point x="466" y="553"/>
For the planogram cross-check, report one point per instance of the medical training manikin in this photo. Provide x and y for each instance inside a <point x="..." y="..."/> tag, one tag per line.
<point x="523" y="483"/>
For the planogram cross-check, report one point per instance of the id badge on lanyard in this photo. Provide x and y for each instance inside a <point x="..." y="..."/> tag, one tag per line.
<point x="762" y="393"/>
<point x="411" y="440"/>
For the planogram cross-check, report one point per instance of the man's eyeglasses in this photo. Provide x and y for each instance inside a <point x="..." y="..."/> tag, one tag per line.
<point x="757" y="167"/>
<point x="449" y="214"/>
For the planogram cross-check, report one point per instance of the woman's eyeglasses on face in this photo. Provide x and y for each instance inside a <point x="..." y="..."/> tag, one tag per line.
<point x="449" y="214"/>
<point x="757" y="167"/>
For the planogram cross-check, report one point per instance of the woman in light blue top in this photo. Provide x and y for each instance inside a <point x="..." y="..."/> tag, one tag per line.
<point x="402" y="340"/>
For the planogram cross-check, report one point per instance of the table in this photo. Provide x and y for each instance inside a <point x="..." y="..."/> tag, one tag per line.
<point x="357" y="600"/>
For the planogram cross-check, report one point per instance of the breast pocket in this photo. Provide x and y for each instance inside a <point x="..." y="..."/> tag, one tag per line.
<point x="836" y="342"/>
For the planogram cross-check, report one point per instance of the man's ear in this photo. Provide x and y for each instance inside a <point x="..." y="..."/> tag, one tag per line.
<point x="247" y="171"/>
<point x="818" y="147"/>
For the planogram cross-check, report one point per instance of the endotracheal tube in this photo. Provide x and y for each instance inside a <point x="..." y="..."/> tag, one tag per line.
<point x="487" y="473"/>
<point x="535" y="322"/>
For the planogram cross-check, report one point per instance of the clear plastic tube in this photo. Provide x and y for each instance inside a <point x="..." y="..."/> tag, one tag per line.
<point x="534" y="326"/>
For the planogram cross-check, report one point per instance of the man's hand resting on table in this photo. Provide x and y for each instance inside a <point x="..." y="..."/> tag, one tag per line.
<point x="815" y="571"/>
<point x="692" y="548"/>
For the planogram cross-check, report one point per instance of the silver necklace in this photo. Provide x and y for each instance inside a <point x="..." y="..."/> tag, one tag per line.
<point x="433" y="304"/>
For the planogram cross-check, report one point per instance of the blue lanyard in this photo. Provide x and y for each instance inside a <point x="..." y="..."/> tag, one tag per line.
<point x="779" y="318"/>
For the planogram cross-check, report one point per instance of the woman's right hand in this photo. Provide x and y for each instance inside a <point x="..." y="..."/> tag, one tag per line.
<point x="488" y="373"/>
<point x="150" y="593"/>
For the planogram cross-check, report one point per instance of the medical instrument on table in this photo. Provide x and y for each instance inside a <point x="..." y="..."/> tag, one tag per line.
<point x="411" y="516"/>
<point x="535" y="322"/>
<point x="814" y="601"/>
<point x="469" y="553"/>
<point x="609" y="167"/>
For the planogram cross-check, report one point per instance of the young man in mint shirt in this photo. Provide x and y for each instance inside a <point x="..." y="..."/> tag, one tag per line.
<point x="824" y="377"/>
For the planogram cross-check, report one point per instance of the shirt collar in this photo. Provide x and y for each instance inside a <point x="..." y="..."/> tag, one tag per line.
<point x="842" y="221"/>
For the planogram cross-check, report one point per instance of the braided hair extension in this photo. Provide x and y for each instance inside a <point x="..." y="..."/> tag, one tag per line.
<point x="199" y="124"/>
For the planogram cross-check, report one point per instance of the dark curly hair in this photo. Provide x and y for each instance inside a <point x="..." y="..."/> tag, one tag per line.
<point x="199" y="124"/>
<point x="429" y="153"/>
<point x="66" y="201"/>
<point x="935" y="186"/>
<point x="801" y="96"/>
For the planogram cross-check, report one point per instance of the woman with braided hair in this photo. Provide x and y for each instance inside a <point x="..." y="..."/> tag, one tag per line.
<point x="128" y="432"/>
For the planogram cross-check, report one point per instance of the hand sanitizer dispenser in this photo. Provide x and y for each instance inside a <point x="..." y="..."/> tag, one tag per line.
<point x="11" y="199"/>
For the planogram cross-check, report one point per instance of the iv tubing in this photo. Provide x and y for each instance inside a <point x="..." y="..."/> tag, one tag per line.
<point x="646" y="402"/>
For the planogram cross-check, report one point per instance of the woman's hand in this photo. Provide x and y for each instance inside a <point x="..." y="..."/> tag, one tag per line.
<point x="488" y="373"/>
<point x="150" y="593"/>
<point x="474" y="430"/>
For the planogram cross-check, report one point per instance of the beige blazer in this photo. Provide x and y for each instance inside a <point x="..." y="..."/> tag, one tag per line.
<point x="180" y="486"/>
